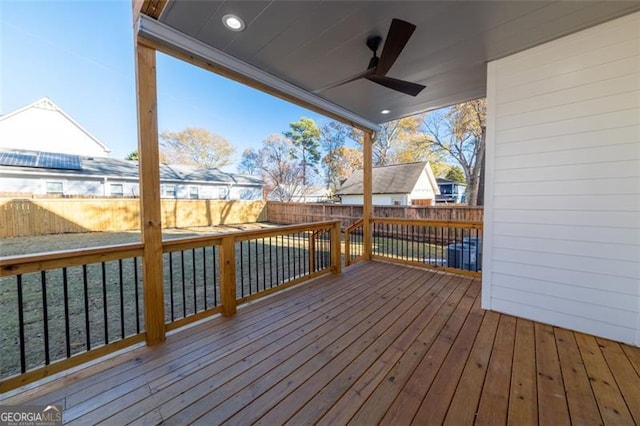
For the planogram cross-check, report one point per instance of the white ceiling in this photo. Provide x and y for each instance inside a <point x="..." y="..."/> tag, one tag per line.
<point x="315" y="43"/>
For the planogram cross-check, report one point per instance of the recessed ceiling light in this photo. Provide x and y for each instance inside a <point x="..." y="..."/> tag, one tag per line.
<point x="233" y="22"/>
<point x="385" y="111"/>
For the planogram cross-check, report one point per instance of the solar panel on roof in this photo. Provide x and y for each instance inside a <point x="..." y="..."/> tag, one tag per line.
<point x="18" y="159"/>
<point x="50" y="160"/>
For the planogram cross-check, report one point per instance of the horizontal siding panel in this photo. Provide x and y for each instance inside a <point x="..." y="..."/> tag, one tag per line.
<point x="595" y="296"/>
<point x="604" y="137"/>
<point x="603" y="314"/>
<point x="603" y="170"/>
<point x="627" y="185"/>
<point x="578" y="156"/>
<point x="572" y="72"/>
<point x="616" y="284"/>
<point x="566" y="320"/>
<point x="563" y="207"/>
<point x="576" y="126"/>
<point x="588" y="218"/>
<point x="589" y="249"/>
<point x="576" y="44"/>
<point x="586" y="108"/>
<point x="621" y="268"/>
<point x="598" y="89"/>
<point x="613" y="235"/>
<point x="571" y="202"/>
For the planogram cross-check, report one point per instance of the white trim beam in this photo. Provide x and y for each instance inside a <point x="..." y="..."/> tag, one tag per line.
<point x="168" y="36"/>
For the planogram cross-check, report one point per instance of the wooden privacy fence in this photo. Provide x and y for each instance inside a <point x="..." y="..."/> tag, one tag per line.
<point x="29" y="217"/>
<point x="289" y="213"/>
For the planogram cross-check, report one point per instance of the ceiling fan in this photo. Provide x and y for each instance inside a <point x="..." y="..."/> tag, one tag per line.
<point x="397" y="37"/>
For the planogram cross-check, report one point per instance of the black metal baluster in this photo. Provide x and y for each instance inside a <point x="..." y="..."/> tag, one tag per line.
<point x="249" y="264"/>
<point x="184" y="285"/>
<point x="288" y="258"/>
<point x="204" y="275"/>
<point x="264" y="267"/>
<point x="135" y="284"/>
<point x="195" y="290"/>
<point x="241" y="269"/>
<point x="257" y="268"/>
<point x="278" y="262"/>
<point x="121" y="299"/>
<point x="45" y="313"/>
<point x="171" y="284"/>
<point x="215" y="278"/>
<point x="23" y="360"/>
<point x="271" y="263"/>
<point x="300" y="265"/>
<point x="105" y="315"/>
<point x="65" y="290"/>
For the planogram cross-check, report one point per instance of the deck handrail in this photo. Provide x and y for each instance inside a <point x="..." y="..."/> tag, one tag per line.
<point x="213" y="257"/>
<point x="451" y="246"/>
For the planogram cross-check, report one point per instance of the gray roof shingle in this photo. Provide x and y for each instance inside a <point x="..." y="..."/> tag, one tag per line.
<point x="394" y="179"/>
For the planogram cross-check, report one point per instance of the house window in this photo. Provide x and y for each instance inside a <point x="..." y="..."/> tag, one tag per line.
<point x="169" y="191"/>
<point x="223" y="192"/>
<point x="116" y="189"/>
<point x="193" y="193"/>
<point x="54" y="188"/>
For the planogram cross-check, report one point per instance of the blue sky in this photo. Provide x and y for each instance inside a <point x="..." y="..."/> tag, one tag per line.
<point x="80" y="55"/>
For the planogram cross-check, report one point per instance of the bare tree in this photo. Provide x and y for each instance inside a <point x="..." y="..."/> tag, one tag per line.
<point x="459" y="132"/>
<point x="283" y="177"/>
<point x="197" y="147"/>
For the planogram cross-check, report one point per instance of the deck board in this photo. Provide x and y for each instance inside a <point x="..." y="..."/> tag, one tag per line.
<point x="380" y="343"/>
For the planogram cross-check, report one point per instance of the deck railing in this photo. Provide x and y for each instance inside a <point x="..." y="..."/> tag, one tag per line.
<point x="64" y="308"/>
<point x="450" y="246"/>
<point x="61" y="309"/>
<point x="353" y="243"/>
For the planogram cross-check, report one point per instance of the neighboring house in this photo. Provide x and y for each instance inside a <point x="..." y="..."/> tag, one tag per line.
<point x="39" y="173"/>
<point x="450" y="191"/>
<point x="395" y="185"/>
<point x="43" y="126"/>
<point x="312" y="194"/>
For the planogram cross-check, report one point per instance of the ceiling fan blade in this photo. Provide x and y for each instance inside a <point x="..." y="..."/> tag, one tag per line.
<point x="405" y="87"/>
<point x="355" y="77"/>
<point x="399" y="34"/>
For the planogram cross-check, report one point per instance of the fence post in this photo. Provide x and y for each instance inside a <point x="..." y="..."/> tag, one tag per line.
<point x="228" y="275"/>
<point x="336" y="258"/>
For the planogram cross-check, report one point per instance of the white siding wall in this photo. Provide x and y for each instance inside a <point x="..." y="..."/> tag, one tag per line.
<point x="53" y="133"/>
<point x="562" y="214"/>
<point x="423" y="190"/>
<point x="378" y="199"/>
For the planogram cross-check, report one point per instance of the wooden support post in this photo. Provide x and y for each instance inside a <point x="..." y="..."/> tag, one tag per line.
<point x="228" y="275"/>
<point x="150" y="214"/>
<point x="367" y="204"/>
<point x="336" y="258"/>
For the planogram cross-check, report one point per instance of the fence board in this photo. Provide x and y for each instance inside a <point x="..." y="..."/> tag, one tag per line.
<point x="289" y="213"/>
<point x="29" y="217"/>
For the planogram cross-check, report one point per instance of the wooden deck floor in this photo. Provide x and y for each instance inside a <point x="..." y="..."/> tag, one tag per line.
<point x="378" y="344"/>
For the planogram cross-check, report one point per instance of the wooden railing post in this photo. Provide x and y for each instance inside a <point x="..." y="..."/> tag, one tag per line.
<point x="228" y="275"/>
<point x="150" y="214"/>
<point x="347" y="247"/>
<point x="336" y="258"/>
<point x="367" y="205"/>
<point x="312" y="251"/>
